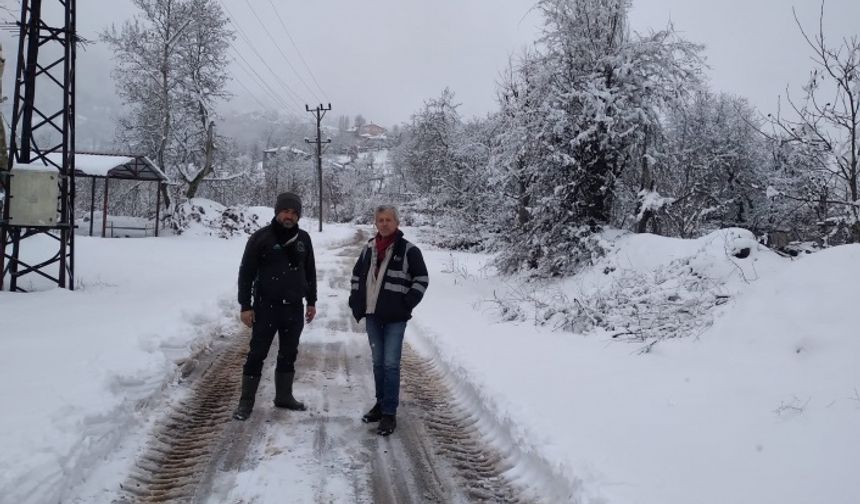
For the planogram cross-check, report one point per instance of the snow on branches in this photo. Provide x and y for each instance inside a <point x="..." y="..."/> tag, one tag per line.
<point x="587" y="102"/>
<point x="675" y="298"/>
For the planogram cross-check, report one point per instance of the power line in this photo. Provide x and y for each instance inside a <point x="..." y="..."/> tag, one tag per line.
<point x="298" y="51"/>
<point x="257" y="79"/>
<point x="278" y="47"/>
<point x="289" y="93"/>
<point x="263" y="84"/>
<point x="298" y="98"/>
<point x="254" y="96"/>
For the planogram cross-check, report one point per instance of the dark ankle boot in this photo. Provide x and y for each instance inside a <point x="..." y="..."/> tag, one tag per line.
<point x="387" y="425"/>
<point x="246" y="402"/>
<point x="284" y="392"/>
<point x="374" y="415"/>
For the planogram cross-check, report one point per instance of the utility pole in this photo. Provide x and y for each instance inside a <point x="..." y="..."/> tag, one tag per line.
<point x="319" y="113"/>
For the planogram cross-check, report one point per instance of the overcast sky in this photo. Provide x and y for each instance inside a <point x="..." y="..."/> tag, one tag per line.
<point x="383" y="58"/>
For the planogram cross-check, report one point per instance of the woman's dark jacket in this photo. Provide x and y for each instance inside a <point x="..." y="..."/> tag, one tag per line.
<point x="404" y="280"/>
<point x="277" y="267"/>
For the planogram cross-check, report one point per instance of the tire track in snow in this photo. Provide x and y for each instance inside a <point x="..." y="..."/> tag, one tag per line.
<point x="437" y="454"/>
<point x="183" y="444"/>
<point x="455" y="433"/>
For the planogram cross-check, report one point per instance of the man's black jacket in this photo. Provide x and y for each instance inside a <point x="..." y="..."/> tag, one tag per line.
<point x="404" y="280"/>
<point x="277" y="267"/>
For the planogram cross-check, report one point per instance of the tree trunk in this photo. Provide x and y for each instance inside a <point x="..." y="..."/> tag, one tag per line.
<point x="596" y="194"/>
<point x="646" y="181"/>
<point x="642" y="225"/>
<point x="165" y="103"/>
<point x="523" y="198"/>
<point x="209" y="154"/>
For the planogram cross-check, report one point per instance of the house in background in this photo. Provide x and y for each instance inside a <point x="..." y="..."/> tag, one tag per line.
<point x="372" y="131"/>
<point x="371" y="136"/>
<point x="286" y="153"/>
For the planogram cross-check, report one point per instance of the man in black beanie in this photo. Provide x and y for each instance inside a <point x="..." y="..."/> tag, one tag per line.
<point x="277" y="271"/>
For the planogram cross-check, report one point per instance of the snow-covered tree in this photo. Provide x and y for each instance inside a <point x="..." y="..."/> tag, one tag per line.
<point x="588" y="101"/>
<point x="352" y="190"/>
<point x="797" y="196"/>
<point x="708" y="170"/>
<point x="826" y="124"/>
<point x="447" y="161"/>
<point x="426" y="155"/>
<point x="342" y="123"/>
<point x="171" y="69"/>
<point x="467" y="197"/>
<point x="516" y="145"/>
<point x="289" y="168"/>
<point x="203" y="77"/>
<point x="234" y="179"/>
<point x="359" y="121"/>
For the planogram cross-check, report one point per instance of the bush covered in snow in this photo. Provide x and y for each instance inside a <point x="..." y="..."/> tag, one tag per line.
<point x="644" y="290"/>
<point x="205" y="217"/>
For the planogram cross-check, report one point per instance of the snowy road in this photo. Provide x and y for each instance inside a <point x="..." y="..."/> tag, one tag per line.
<point x="137" y="388"/>
<point x="325" y="454"/>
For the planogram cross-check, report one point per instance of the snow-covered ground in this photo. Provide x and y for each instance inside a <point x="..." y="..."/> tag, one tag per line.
<point x="760" y="404"/>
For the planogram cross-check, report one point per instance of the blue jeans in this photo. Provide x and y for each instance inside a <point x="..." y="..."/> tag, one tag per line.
<point x="386" y="343"/>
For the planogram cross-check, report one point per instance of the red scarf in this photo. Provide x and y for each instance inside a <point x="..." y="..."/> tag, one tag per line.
<point x="382" y="243"/>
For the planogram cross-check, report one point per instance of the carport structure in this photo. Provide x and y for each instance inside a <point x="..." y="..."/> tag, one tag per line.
<point x="100" y="165"/>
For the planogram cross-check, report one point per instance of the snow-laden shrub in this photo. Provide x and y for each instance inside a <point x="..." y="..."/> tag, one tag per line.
<point x="644" y="304"/>
<point x="572" y="249"/>
<point x="239" y="220"/>
<point x="200" y="216"/>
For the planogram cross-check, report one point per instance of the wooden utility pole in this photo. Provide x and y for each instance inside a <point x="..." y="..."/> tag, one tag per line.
<point x="319" y="113"/>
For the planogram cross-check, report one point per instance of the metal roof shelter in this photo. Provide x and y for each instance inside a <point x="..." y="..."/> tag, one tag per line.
<point x="101" y="165"/>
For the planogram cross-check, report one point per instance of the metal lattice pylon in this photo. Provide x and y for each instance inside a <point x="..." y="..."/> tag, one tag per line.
<point x="46" y="55"/>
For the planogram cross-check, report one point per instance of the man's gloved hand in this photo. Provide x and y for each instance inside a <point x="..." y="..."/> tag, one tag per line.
<point x="310" y="313"/>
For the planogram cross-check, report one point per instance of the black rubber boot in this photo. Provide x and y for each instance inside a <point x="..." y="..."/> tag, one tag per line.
<point x="387" y="425"/>
<point x="374" y="415"/>
<point x="246" y="402"/>
<point x="284" y="392"/>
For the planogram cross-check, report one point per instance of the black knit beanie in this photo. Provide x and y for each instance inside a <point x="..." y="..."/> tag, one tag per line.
<point x="287" y="201"/>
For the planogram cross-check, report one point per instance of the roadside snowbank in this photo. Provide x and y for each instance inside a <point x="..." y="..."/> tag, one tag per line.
<point x="760" y="406"/>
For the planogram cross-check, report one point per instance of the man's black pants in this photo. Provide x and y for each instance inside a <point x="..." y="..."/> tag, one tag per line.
<point x="288" y="321"/>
